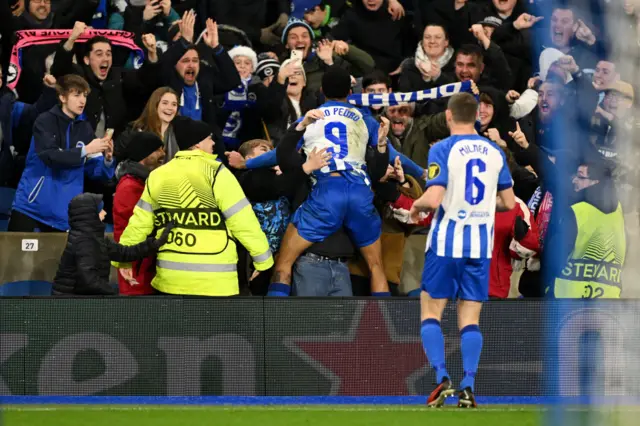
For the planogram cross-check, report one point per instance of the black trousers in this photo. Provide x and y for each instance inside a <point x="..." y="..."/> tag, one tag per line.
<point x="361" y="286"/>
<point x="260" y="285"/>
<point x="20" y="222"/>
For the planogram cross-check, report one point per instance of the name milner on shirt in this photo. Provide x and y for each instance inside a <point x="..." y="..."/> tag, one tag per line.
<point x="473" y="149"/>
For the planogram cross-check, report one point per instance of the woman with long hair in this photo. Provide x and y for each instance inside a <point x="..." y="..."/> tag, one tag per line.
<point x="297" y="102"/>
<point x="156" y="117"/>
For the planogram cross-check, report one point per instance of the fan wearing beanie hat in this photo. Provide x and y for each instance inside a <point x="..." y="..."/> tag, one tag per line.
<point x="250" y="102"/>
<point x="192" y="134"/>
<point x="141" y="145"/>
<point x="246" y="61"/>
<point x="298" y="35"/>
<point x="211" y="215"/>
<point x="267" y="66"/>
<point x="239" y="99"/>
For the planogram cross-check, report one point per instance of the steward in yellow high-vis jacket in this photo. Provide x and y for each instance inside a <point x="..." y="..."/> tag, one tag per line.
<point x="210" y="211"/>
<point x="592" y="248"/>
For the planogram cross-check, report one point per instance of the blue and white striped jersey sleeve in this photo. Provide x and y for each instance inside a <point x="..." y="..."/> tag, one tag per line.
<point x="373" y="127"/>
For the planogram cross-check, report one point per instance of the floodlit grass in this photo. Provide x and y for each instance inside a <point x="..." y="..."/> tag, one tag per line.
<point x="268" y="416"/>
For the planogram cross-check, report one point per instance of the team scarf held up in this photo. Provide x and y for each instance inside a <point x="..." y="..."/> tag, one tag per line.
<point x="394" y="99"/>
<point x="28" y="38"/>
<point x="540" y="206"/>
<point x="236" y="101"/>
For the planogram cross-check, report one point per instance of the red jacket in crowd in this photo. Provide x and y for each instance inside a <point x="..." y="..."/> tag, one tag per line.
<point x="401" y="209"/>
<point x="506" y="248"/>
<point x="128" y="192"/>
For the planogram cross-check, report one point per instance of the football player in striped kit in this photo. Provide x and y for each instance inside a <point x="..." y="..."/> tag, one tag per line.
<point x="466" y="172"/>
<point x="341" y="196"/>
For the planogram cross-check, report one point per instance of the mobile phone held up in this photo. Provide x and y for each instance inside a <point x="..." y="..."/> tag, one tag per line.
<point x="296" y="55"/>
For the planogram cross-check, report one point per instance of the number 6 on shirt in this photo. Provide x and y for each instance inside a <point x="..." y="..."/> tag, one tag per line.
<point x="472" y="183"/>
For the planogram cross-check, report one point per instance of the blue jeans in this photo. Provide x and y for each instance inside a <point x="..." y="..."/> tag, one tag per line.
<point x="320" y="278"/>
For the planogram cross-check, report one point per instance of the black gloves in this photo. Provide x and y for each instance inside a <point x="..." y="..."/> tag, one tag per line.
<point x="157" y="243"/>
<point x="520" y="228"/>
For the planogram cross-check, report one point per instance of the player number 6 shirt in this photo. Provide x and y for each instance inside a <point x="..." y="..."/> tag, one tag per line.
<point x="472" y="169"/>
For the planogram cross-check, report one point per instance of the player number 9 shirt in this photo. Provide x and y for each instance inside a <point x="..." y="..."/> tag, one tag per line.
<point x="345" y="132"/>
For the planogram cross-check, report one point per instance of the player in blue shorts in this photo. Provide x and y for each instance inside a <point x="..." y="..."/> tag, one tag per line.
<point x="341" y="196"/>
<point x="465" y="173"/>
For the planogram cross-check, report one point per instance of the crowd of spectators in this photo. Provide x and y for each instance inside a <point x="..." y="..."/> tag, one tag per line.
<point x="85" y="111"/>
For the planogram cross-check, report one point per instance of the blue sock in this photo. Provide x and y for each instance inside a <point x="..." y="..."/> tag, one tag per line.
<point x="414" y="293"/>
<point x="279" y="290"/>
<point x="433" y="343"/>
<point x="470" y="346"/>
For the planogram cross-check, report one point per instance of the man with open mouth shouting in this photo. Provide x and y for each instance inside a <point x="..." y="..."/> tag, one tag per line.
<point x="38" y="15"/>
<point x="572" y="36"/>
<point x="299" y="36"/>
<point x="107" y="103"/>
<point x="197" y="83"/>
<point x="114" y="92"/>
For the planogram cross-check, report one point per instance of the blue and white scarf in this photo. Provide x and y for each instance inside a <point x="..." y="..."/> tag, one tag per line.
<point x="393" y="99"/>
<point x="534" y="202"/>
<point x="236" y="101"/>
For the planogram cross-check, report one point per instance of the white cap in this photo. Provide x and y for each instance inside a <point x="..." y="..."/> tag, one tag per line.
<point x="547" y="58"/>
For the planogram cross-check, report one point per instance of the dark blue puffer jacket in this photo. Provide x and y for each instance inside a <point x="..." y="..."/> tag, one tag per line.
<point x="55" y="168"/>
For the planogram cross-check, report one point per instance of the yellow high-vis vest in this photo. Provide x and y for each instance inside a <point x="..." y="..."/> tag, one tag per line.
<point x="210" y="211"/>
<point x="594" y="267"/>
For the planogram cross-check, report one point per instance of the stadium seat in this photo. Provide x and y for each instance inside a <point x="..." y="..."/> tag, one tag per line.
<point x="26" y="288"/>
<point x="6" y="200"/>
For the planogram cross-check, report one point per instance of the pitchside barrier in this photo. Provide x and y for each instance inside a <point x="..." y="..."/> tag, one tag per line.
<point x="31" y="258"/>
<point x="181" y="346"/>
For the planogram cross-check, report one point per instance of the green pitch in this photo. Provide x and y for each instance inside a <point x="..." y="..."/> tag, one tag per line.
<point x="268" y="416"/>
